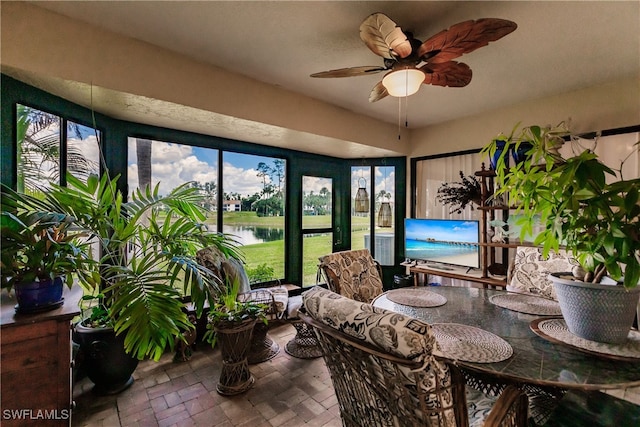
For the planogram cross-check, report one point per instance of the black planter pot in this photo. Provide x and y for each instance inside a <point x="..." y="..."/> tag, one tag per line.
<point x="102" y="356"/>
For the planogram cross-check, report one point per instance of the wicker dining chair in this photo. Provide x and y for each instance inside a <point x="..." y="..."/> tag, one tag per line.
<point x="353" y="274"/>
<point x="529" y="270"/>
<point x="384" y="373"/>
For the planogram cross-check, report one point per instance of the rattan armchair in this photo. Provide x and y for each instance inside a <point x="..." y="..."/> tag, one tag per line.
<point x="353" y="274"/>
<point x="384" y="373"/>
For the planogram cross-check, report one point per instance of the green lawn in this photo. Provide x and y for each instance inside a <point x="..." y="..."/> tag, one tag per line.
<point x="272" y="253"/>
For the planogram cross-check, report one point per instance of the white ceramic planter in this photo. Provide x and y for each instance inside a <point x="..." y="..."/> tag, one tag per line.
<point x="602" y="313"/>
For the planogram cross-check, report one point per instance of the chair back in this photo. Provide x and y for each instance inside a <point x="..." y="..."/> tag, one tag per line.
<point x="529" y="270"/>
<point x="382" y="366"/>
<point x="353" y="274"/>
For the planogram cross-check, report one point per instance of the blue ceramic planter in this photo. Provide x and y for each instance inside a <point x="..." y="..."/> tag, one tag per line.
<point x="520" y="154"/>
<point x="39" y="296"/>
<point x="499" y="148"/>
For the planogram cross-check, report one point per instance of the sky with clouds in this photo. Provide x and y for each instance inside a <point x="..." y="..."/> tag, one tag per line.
<point x="174" y="164"/>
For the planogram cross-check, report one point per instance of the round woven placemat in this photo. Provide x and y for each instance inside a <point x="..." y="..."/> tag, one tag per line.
<point x="470" y="344"/>
<point x="556" y="330"/>
<point x="416" y="297"/>
<point x="530" y="304"/>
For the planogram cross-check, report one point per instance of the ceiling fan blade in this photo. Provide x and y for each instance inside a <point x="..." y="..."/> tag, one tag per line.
<point x="384" y="37"/>
<point x="378" y="92"/>
<point x="451" y="74"/>
<point x="349" y="72"/>
<point x="464" y="37"/>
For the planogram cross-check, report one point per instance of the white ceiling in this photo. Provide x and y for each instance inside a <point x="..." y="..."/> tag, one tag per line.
<point x="558" y="46"/>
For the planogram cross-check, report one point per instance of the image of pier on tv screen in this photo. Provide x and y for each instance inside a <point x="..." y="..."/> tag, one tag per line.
<point x="444" y="241"/>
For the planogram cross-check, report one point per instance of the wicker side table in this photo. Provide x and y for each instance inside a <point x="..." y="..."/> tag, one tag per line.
<point x="305" y="344"/>
<point x="235" y="377"/>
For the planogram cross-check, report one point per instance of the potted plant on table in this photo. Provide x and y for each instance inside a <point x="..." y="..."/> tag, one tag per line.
<point x="590" y="210"/>
<point x="147" y="250"/>
<point x="40" y="252"/>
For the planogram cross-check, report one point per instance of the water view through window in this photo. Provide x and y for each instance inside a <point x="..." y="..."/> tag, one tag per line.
<point x="252" y="195"/>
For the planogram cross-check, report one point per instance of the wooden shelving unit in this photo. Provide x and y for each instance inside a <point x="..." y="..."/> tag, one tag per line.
<point x="488" y="249"/>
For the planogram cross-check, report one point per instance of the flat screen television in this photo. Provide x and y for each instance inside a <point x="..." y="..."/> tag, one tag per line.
<point x="443" y="242"/>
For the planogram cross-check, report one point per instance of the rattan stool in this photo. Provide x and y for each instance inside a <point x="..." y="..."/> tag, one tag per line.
<point x="304" y="345"/>
<point x="263" y="347"/>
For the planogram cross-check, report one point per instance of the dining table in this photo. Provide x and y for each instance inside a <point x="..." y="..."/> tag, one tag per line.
<point x="545" y="367"/>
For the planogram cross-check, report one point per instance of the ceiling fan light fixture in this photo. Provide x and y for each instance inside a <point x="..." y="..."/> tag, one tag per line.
<point x="403" y="82"/>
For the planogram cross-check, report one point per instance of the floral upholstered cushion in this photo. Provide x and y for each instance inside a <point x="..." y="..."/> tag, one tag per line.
<point x="353" y="274"/>
<point x="529" y="270"/>
<point x="392" y="333"/>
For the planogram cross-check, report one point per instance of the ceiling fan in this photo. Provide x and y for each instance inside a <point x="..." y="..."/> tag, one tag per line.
<point x="411" y="62"/>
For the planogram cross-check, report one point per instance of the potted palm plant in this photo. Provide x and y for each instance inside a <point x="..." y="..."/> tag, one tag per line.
<point x="590" y="210"/>
<point x="145" y="253"/>
<point x="40" y="252"/>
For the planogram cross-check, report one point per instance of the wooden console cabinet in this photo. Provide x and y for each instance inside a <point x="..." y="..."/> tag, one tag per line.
<point x="36" y="364"/>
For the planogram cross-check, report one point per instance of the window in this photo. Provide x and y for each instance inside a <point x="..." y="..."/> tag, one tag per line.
<point x="83" y="150"/>
<point x="432" y="172"/>
<point x="254" y="208"/>
<point x="384" y="217"/>
<point x="170" y="165"/>
<point x="317" y="224"/>
<point x="360" y="206"/>
<point x="373" y="213"/>
<point x="42" y="153"/>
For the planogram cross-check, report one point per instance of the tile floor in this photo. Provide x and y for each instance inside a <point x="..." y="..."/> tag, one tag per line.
<point x="288" y="392"/>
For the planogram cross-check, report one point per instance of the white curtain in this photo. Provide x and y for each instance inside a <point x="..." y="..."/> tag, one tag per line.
<point x="612" y="151"/>
<point x="432" y="173"/>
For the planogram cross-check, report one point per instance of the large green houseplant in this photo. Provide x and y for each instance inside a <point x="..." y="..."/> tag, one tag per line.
<point x="144" y="252"/>
<point x="583" y="205"/>
<point x="39" y="252"/>
<point x="147" y="251"/>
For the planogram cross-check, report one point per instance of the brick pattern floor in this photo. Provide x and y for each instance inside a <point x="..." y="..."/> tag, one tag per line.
<point x="287" y="392"/>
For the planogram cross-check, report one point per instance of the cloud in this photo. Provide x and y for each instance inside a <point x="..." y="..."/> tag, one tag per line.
<point x="174" y="164"/>
<point x="315" y="184"/>
<point x="246" y="182"/>
<point x="171" y="166"/>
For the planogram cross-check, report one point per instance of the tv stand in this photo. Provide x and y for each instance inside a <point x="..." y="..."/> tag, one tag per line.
<point x="435" y="266"/>
<point x="462" y="273"/>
